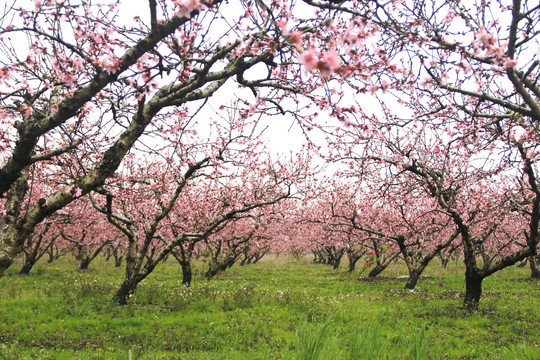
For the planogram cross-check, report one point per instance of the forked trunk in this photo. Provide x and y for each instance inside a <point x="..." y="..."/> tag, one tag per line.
<point x="211" y="272"/>
<point x="444" y="262"/>
<point x="108" y="255"/>
<point x="117" y="258"/>
<point x="352" y="263"/>
<point x="85" y="262"/>
<point x="118" y="261"/>
<point x="257" y="258"/>
<point x="51" y="256"/>
<point x="336" y="262"/>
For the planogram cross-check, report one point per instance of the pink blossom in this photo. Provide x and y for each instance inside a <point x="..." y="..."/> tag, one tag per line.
<point x="187" y="6"/>
<point x="310" y="59"/>
<point x="76" y="191"/>
<point x="54" y="108"/>
<point x="373" y="89"/>
<point x="510" y="63"/>
<point x="296" y="37"/>
<point x="27" y="111"/>
<point x="485" y="38"/>
<point x="282" y="23"/>
<point x="108" y="64"/>
<point x="4" y="73"/>
<point x="466" y="66"/>
<point x="333" y="61"/>
<point x="449" y="16"/>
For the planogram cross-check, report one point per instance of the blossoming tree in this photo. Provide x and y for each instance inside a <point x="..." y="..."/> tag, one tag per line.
<point x="85" y="81"/>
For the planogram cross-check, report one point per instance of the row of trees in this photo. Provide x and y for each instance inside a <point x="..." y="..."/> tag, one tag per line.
<point x="102" y="109"/>
<point x="145" y="219"/>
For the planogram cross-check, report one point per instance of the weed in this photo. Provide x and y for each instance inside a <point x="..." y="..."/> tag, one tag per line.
<point x="368" y="342"/>
<point x="275" y="309"/>
<point x="311" y="339"/>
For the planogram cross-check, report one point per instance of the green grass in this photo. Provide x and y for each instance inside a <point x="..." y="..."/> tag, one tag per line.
<point x="277" y="309"/>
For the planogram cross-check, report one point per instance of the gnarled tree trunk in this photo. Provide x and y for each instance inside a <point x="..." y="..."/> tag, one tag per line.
<point x="533" y="264"/>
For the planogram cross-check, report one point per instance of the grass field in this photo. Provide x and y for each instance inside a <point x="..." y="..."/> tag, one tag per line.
<point x="276" y="309"/>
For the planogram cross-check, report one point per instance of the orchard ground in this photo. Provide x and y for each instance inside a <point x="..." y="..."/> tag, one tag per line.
<point x="276" y="309"/>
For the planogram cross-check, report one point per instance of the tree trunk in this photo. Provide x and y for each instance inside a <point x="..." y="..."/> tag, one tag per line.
<point x="473" y="290"/>
<point x="28" y="265"/>
<point x="215" y="267"/>
<point x="352" y="263"/>
<point x="117" y="258"/>
<point x="12" y="236"/>
<point x="118" y="261"/>
<point x="186" y="273"/>
<point x="126" y="290"/>
<point x="211" y="272"/>
<point x="533" y="263"/>
<point x="376" y="270"/>
<point x="336" y="261"/>
<point x="8" y="252"/>
<point x="414" y="275"/>
<point x="108" y="255"/>
<point x="257" y="258"/>
<point x="444" y="262"/>
<point x="51" y="256"/>
<point x="84" y="263"/>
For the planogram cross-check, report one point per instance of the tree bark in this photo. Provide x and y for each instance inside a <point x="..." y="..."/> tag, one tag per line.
<point x="52" y="257"/>
<point x="444" y="262"/>
<point x="118" y="260"/>
<point x="376" y="270"/>
<point x="257" y="258"/>
<point x="126" y="290"/>
<point x="337" y="260"/>
<point x="352" y="262"/>
<point x="473" y="290"/>
<point x="27" y="267"/>
<point x="533" y="263"/>
<point x="84" y="263"/>
<point x="414" y="275"/>
<point x="186" y="273"/>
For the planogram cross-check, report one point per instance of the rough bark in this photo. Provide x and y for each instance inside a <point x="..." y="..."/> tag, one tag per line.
<point x="353" y="259"/>
<point x="533" y="264"/>
<point x="473" y="290"/>
<point x="127" y="289"/>
<point x="118" y="260"/>
<point x="377" y="269"/>
<point x="258" y="257"/>
<point x="187" y="274"/>
<point x="12" y="238"/>
<point x="34" y="251"/>
<point x="27" y="267"/>
<point x="414" y="275"/>
<point x="337" y="260"/>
